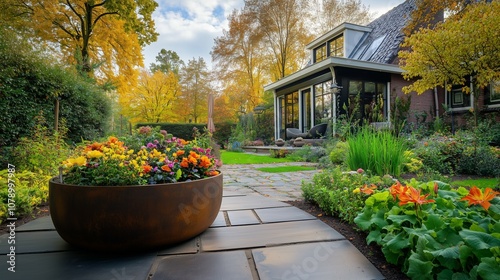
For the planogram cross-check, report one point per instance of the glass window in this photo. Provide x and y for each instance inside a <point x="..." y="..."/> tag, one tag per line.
<point x="323" y="103"/>
<point x="355" y="87"/>
<point x="337" y="47"/>
<point x="495" y="91"/>
<point x="320" y="53"/>
<point x="458" y="99"/>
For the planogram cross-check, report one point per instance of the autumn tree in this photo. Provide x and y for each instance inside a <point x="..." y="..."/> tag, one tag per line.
<point x="108" y="34"/>
<point x="284" y="33"/>
<point x="465" y="45"/>
<point x="239" y="61"/>
<point x="167" y="61"/>
<point x="153" y="99"/>
<point x="195" y="81"/>
<point x="328" y="14"/>
<point x="429" y="12"/>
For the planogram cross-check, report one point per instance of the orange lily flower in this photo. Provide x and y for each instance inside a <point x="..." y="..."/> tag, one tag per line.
<point x="368" y="190"/>
<point x="476" y="196"/>
<point x="396" y="189"/>
<point x="412" y="195"/>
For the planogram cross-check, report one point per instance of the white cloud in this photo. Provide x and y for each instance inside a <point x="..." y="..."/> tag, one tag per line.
<point x="189" y="27"/>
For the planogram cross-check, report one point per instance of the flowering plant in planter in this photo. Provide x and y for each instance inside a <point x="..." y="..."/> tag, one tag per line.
<point x="161" y="159"/>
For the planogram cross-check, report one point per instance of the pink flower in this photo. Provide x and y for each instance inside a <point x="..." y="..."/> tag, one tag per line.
<point x="360" y="171"/>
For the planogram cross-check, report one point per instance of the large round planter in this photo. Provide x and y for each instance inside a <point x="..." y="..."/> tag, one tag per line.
<point x="118" y="218"/>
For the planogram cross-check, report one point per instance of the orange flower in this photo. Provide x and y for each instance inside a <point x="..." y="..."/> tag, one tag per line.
<point x="205" y="162"/>
<point x="476" y="196"/>
<point x="396" y="190"/>
<point x="147" y="168"/>
<point x="412" y="195"/>
<point x="184" y="163"/>
<point x="194" y="155"/>
<point x="193" y="160"/>
<point x="212" y="173"/>
<point x="179" y="153"/>
<point x="368" y="190"/>
<point x="113" y="139"/>
<point x="166" y="168"/>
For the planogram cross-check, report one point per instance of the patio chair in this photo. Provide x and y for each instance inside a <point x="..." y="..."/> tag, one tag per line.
<point x="316" y="132"/>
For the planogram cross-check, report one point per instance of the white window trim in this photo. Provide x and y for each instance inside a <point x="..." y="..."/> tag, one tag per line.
<point x="496" y="100"/>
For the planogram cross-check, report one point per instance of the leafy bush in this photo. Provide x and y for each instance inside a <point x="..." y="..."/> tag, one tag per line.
<point x="31" y="190"/>
<point x="31" y="83"/>
<point x="377" y="151"/>
<point x="334" y="191"/>
<point x="43" y="151"/>
<point x="479" y="161"/>
<point x="431" y="233"/>
<point x="463" y="153"/>
<point x="308" y="153"/>
<point x="339" y="153"/>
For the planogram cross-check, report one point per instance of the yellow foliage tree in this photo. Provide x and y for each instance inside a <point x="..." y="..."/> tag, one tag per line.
<point x="153" y="99"/>
<point x="467" y="44"/>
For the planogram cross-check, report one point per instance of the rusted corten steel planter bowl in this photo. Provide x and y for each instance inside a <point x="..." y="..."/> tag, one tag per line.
<point x="120" y="218"/>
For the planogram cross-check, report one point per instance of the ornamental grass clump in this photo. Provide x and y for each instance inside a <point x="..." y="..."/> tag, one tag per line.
<point x="161" y="159"/>
<point x="376" y="151"/>
<point x="435" y="232"/>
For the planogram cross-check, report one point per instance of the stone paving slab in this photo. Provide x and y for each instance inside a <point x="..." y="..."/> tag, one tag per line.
<point x="249" y="202"/>
<point x="319" y="261"/>
<point x="220" y="221"/>
<point x="35" y="242"/>
<point x="78" y="266"/>
<point x="43" y="223"/>
<point x="252" y="236"/>
<point x="209" y="266"/>
<point x="282" y="214"/>
<point x="242" y="217"/>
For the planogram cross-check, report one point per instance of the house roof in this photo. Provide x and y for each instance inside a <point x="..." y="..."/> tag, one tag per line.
<point x="382" y="44"/>
<point x="376" y="51"/>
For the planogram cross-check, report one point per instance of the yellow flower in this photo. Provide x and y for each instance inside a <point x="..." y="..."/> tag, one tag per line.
<point x="94" y="154"/>
<point x="356" y="190"/>
<point x="79" y="161"/>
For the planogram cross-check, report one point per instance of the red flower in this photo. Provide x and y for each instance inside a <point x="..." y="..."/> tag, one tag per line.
<point x="412" y="195"/>
<point x="476" y="196"/>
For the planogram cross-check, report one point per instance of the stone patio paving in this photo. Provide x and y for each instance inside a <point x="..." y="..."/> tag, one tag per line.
<point x="254" y="237"/>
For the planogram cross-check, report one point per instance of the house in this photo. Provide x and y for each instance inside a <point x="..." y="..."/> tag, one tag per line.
<point x="354" y="72"/>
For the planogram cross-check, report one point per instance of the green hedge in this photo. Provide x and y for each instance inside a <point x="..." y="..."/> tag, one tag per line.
<point x="185" y="130"/>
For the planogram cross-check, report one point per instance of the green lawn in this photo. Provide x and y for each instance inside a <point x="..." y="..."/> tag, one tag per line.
<point x="279" y="169"/>
<point x="481" y="183"/>
<point x="245" y="158"/>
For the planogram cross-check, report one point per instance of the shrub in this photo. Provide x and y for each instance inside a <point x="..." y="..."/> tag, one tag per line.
<point x="334" y="191"/>
<point x="479" y="161"/>
<point x="308" y="153"/>
<point x="43" y="151"/>
<point x="339" y="153"/>
<point x="31" y="190"/>
<point x="431" y="233"/>
<point x="377" y="151"/>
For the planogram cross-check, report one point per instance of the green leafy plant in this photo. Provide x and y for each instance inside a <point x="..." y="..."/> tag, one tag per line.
<point x="339" y="153"/>
<point x="431" y="232"/>
<point x="335" y="191"/>
<point x="31" y="190"/>
<point x="377" y="151"/>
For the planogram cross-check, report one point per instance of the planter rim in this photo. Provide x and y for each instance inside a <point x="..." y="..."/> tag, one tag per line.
<point x="57" y="181"/>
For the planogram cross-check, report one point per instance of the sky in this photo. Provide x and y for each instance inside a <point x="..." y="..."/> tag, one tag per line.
<point x="189" y="27"/>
